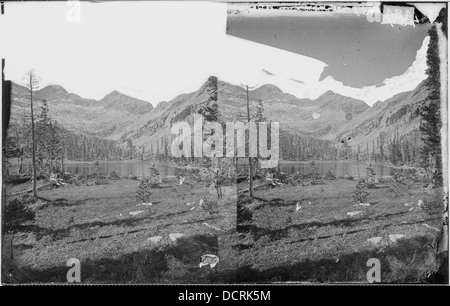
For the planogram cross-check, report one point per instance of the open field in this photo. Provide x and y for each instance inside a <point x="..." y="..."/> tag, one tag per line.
<point x="273" y="241"/>
<point x="94" y="225"/>
<point x="321" y="243"/>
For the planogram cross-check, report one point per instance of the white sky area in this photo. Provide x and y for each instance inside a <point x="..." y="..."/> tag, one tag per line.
<point x="155" y="51"/>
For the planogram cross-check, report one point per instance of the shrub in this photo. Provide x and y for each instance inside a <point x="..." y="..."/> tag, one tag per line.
<point x="371" y="175"/>
<point x="243" y="213"/>
<point x="329" y="175"/>
<point x="360" y="193"/>
<point x="143" y="193"/>
<point x="98" y="174"/>
<point x="113" y="176"/>
<point x="17" y="213"/>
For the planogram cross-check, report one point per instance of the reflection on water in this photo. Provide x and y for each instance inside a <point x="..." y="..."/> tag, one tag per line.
<point x="139" y="169"/>
<point x="339" y="169"/>
<point x="123" y="169"/>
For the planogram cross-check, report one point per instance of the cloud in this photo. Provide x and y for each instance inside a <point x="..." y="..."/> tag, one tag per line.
<point x="294" y="80"/>
<point x="267" y="72"/>
<point x="160" y="50"/>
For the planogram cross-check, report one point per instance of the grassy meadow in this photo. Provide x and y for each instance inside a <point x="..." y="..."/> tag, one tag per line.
<point x="290" y="233"/>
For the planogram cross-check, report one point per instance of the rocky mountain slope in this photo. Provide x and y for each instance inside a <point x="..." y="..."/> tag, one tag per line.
<point x="120" y="117"/>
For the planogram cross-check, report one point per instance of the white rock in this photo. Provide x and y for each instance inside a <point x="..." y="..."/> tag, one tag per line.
<point x="175" y="236"/>
<point x="137" y="212"/>
<point x="147" y="204"/>
<point x="431" y="227"/>
<point x="209" y="259"/>
<point x="407" y="204"/>
<point x="155" y="239"/>
<point x="364" y="204"/>
<point x="420" y="203"/>
<point x="297" y="206"/>
<point x="212" y="226"/>
<point x="192" y="208"/>
<point x="353" y="213"/>
<point x="375" y="240"/>
<point x="411" y="209"/>
<point x="395" y="237"/>
<point x="201" y="202"/>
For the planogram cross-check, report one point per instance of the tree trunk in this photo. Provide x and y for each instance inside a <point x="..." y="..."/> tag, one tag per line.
<point x="249" y="158"/>
<point x="62" y="165"/>
<point x="33" y="139"/>
<point x="21" y="164"/>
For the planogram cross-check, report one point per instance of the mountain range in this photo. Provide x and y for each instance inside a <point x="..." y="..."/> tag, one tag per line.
<point x="120" y="117"/>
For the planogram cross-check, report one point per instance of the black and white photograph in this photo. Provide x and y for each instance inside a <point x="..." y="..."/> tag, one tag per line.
<point x="219" y="142"/>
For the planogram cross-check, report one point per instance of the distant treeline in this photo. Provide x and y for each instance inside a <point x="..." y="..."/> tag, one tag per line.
<point x="387" y="147"/>
<point x="54" y="144"/>
<point x="81" y="147"/>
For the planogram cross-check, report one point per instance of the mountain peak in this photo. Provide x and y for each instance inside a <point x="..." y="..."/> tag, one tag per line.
<point x="120" y="101"/>
<point x="327" y="93"/>
<point x="269" y="88"/>
<point x="113" y="93"/>
<point x="53" y="89"/>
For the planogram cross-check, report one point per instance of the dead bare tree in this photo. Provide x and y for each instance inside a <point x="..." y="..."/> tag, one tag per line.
<point x="32" y="83"/>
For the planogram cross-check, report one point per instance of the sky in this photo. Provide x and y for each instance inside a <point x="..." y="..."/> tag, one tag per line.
<point x="155" y="51"/>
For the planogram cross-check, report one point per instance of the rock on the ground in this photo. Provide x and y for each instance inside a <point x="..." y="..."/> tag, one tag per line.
<point x="420" y="203"/>
<point x="209" y="259"/>
<point x="137" y="212"/>
<point x="173" y="237"/>
<point x="375" y="240"/>
<point x="431" y="227"/>
<point x="395" y="237"/>
<point x="353" y="213"/>
<point x="364" y="204"/>
<point x="155" y="239"/>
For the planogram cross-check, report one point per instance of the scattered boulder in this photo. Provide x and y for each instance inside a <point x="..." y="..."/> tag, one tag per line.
<point x="155" y="239"/>
<point x="408" y="204"/>
<point x="420" y="203"/>
<point x="375" y="240"/>
<point x="411" y="209"/>
<point x="353" y="213"/>
<point x="364" y="204"/>
<point x="212" y="226"/>
<point x="431" y="227"/>
<point x="209" y="259"/>
<point x="175" y="236"/>
<point x="395" y="237"/>
<point x="147" y="204"/>
<point x="137" y="212"/>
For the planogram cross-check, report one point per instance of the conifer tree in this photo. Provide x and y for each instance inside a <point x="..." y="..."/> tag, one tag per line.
<point x="431" y="122"/>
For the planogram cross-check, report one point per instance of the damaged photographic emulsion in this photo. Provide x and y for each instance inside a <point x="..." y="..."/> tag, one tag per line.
<point x="158" y="142"/>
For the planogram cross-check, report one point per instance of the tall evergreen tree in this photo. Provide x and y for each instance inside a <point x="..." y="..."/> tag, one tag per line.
<point x="431" y="155"/>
